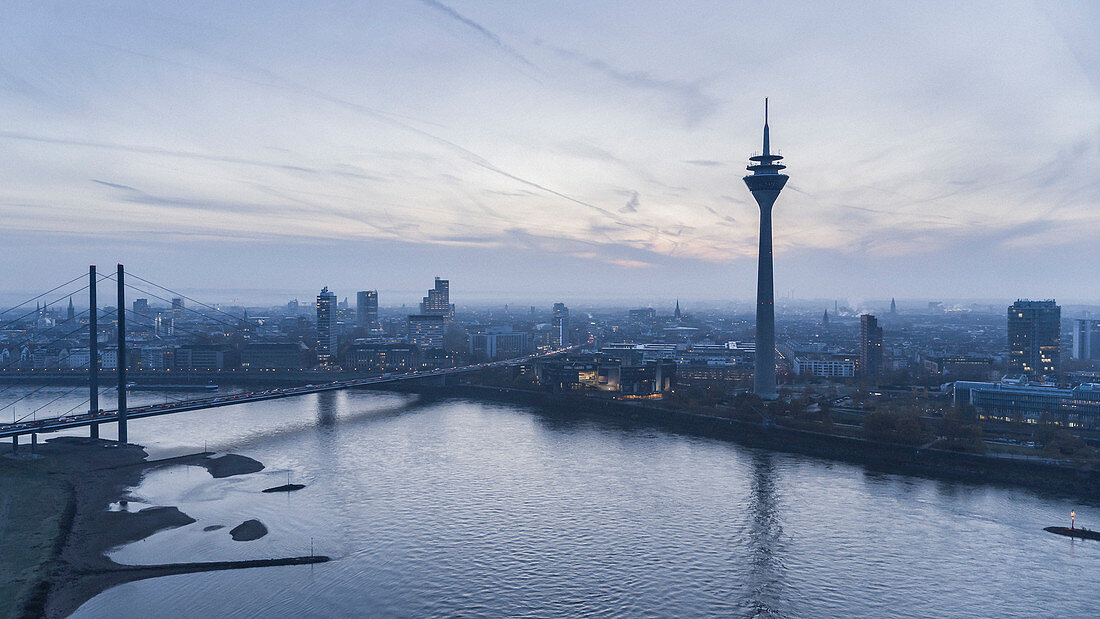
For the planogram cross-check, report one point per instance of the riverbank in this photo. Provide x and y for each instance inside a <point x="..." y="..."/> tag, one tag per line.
<point x="55" y="525"/>
<point x="1038" y="474"/>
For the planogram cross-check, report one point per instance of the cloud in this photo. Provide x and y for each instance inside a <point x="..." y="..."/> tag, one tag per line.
<point x="631" y="264"/>
<point x="114" y="185"/>
<point x="485" y="33"/>
<point x="150" y="150"/>
<point x="631" y="205"/>
<point x="704" y="162"/>
<point x="692" y="103"/>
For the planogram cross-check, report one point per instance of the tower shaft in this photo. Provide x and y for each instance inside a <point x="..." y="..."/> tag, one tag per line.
<point x="765" y="183"/>
<point x="764" y="369"/>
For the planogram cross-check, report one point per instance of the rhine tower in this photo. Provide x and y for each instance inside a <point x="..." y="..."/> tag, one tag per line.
<point x="765" y="183"/>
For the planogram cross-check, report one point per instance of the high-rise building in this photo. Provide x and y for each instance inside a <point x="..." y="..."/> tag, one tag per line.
<point x="438" y="301"/>
<point x="765" y="183"/>
<point x="326" y="326"/>
<point x="140" y="307"/>
<point x="1034" y="337"/>
<point x="366" y="309"/>
<point x="177" y="309"/>
<point x="559" y="334"/>
<point x="1086" y="338"/>
<point x="426" y="330"/>
<point x="870" y="346"/>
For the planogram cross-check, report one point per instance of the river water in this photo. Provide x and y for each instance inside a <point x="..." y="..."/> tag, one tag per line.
<point x="455" y="507"/>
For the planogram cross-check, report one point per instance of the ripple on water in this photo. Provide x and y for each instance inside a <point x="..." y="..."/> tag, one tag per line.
<point x="472" y="509"/>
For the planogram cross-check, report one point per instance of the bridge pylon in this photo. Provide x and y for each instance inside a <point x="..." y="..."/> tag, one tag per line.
<point x="121" y="355"/>
<point x="93" y="351"/>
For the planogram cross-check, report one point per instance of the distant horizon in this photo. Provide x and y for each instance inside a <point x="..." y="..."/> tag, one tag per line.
<point x="473" y="300"/>
<point x="540" y="154"/>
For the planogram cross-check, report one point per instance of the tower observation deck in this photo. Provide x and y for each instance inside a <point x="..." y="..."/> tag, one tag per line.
<point x="765" y="183"/>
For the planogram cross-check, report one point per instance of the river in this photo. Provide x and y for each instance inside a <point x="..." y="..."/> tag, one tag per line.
<point x="456" y="507"/>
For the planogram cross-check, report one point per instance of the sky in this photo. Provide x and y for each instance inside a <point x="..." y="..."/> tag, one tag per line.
<point x="552" y="150"/>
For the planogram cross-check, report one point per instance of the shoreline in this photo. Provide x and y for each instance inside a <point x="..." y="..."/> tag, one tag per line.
<point x="1038" y="475"/>
<point x="91" y="475"/>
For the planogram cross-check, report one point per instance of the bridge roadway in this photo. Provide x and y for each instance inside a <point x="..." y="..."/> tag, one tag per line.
<point x="152" y="410"/>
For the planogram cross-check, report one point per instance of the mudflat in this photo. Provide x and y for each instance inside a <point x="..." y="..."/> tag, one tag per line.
<point x="55" y="526"/>
<point x="248" y="531"/>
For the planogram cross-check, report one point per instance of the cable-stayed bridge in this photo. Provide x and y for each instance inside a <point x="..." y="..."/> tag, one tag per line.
<point x="41" y="332"/>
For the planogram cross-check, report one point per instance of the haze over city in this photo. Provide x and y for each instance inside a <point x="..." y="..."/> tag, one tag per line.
<point x="436" y="308"/>
<point x="553" y="149"/>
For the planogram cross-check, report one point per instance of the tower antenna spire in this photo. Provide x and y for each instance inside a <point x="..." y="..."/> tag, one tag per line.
<point x="767" y="140"/>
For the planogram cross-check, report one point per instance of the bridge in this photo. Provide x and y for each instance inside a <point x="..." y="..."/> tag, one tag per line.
<point x="93" y="416"/>
<point x="153" y="410"/>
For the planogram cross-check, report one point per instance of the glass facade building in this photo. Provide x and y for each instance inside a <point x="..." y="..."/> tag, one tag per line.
<point x="1034" y="337"/>
<point x="326" y="326"/>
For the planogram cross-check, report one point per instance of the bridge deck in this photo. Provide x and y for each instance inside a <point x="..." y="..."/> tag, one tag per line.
<point x="152" y="410"/>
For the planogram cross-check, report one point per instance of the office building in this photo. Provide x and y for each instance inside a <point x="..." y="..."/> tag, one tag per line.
<point x="438" y="301"/>
<point x="141" y="307"/>
<point x="366" y="310"/>
<point x="870" y="346"/>
<point x="326" y="326"/>
<point x="1086" y="339"/>
<point x="1018" y="401"/>
<point x="559" y="331"/>
<point x="828" y="365"/>
<point x="960" y="367"/>
<point x="381" y="357"/>
<point x="765" y="183"/>
<point x="177" y="308"/>
<point x="195" y="357"/>
<point x="273" y="356"/>
<point x="1034" y="337"/>
<point x="426" y="330"/>
<point x="498" y="343"/>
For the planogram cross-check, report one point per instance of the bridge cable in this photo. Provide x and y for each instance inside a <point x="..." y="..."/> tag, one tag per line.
<point x="184" y="330"/>
<point x="20" y="318"/>
<point x="189" y="309"/>
<point x="46" y="344"/>
<point x="183" y="296"/>
<point x="30" y="339"/>
<point x="14" y="307"/>
<point x="67" y="393"/>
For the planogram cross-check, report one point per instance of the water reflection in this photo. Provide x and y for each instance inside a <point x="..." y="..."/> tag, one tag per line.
<point x="765" y="539"/>
<point x="326" y="409"/>
<point x="443" y="507"/>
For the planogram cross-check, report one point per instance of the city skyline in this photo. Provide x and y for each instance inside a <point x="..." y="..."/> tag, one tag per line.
<point x="181" y="139"/>
<point x="456" y="307"/>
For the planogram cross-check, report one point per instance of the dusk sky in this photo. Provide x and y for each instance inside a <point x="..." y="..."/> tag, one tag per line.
<point x="538" y="151"/>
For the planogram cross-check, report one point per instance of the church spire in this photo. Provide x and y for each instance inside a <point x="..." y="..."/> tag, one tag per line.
<point x="677" y="314"/>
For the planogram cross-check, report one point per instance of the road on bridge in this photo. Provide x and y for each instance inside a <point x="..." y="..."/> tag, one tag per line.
<point x="137" y="412"/>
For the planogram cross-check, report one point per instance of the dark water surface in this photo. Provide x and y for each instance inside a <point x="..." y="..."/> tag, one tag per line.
<point x="465" y="508"/>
